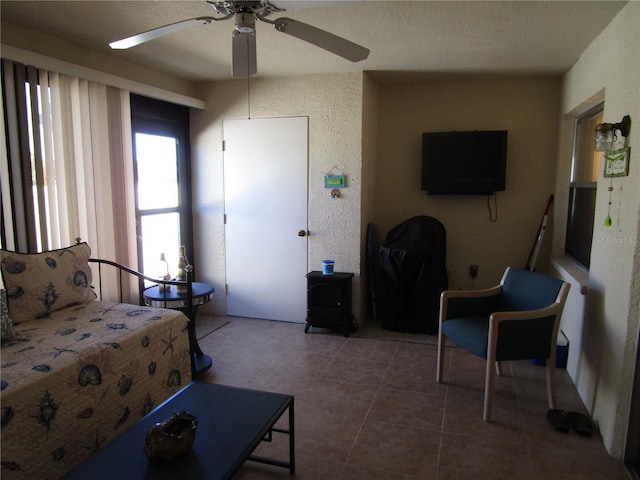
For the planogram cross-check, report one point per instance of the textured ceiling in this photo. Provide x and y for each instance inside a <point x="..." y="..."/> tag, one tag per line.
<point x="515" y="37"/>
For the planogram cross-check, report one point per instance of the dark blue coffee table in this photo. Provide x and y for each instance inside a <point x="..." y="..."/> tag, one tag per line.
<point x="231" y="424"/>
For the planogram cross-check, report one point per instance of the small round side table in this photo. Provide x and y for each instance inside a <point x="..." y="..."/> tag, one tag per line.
<point x="201" y="294"/>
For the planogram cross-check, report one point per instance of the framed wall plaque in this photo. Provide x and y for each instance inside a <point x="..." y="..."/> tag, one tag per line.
<point x="616" y="163"/>
<point x="334" y="181"/>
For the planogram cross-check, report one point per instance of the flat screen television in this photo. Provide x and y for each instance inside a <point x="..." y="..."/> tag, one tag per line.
<point x="464" y="163"/>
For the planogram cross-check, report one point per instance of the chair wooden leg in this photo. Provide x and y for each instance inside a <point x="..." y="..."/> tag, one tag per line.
<point x="488" y="390"/>
<point x="551" y="384"/>
<point x="499" y="368"/>
<point x="440" y="367"/>
<point x="491" y="367"/>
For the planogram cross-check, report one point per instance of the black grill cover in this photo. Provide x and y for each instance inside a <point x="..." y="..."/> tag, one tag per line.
<point x="412" y="264"/>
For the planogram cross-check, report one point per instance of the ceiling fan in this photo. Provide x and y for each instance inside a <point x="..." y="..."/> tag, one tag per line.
<point x="245" y="13"/>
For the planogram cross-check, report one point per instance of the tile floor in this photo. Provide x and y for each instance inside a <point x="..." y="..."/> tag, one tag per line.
<point x="371" y="409"/>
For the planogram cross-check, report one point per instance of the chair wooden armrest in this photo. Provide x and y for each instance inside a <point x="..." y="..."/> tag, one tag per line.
<point x="484" y="292"/>
<point x="547" y="311"/>
<point x="475" y="301"/>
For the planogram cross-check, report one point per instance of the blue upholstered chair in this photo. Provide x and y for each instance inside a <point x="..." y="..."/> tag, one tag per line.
<point x="515" y="320"/>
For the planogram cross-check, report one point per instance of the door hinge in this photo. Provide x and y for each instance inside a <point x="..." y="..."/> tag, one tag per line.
<point x="226" y="289"/>
<point x="224" y="218"/>
<point x="224" y="145"/>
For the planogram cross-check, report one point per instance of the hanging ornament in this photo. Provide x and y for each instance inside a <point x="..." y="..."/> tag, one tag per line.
<point x="607" y="220"/>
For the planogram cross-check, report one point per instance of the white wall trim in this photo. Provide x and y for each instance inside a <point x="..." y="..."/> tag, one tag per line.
<point x="38" y="60"/>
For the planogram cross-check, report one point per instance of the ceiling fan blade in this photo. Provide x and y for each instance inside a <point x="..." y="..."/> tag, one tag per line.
<point x="321" y="38"/>
<point x="244" y="54"/>
<point x="159" y="32"/>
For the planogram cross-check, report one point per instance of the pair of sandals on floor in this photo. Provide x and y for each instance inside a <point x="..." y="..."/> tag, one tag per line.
<point x="564" y="421"/>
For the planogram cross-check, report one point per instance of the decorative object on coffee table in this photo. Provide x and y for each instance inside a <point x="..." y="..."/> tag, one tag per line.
<point x="171" y="438"/>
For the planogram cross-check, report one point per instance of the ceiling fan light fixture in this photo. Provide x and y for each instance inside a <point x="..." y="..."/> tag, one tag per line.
<point x="245" y="22"/>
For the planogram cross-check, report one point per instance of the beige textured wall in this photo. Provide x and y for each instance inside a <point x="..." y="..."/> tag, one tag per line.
<point x="54" y="47"/>
<point x="604" y="369"/>
<point x="528" y="109"/>
<point x="374" y="131"/>
<point x="333" y="104"/>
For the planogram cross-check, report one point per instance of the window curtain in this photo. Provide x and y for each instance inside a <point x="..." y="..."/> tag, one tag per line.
<point x="67" y="164"/>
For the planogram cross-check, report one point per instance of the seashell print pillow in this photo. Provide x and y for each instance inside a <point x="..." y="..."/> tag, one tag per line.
<point x="7" y="325"/>
<point x="40" y="283"/>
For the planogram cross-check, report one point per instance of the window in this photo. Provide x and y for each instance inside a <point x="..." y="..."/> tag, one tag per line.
<point x="582" y="189"/>
<point x="162" y="183"/>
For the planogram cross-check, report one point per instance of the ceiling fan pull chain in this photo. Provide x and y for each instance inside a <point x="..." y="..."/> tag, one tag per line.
<point x="248" y="94"/>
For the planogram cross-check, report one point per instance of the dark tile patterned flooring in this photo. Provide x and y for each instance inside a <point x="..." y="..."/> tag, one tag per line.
<point x="371" y="409"/>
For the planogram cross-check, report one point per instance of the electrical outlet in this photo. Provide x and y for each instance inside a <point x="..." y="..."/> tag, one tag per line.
<point x="473" y="270"/>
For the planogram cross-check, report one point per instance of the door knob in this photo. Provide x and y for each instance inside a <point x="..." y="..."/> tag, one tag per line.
<point x="302" y="233"/>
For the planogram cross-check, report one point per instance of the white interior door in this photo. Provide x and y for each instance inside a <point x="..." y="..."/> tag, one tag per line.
<point x="265" y="189"/>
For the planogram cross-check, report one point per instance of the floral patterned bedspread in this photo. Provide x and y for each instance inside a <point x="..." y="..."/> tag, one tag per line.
<point x="74" y="381"/>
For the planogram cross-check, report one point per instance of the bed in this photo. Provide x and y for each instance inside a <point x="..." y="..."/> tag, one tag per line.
<point x="77" y="371"/>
